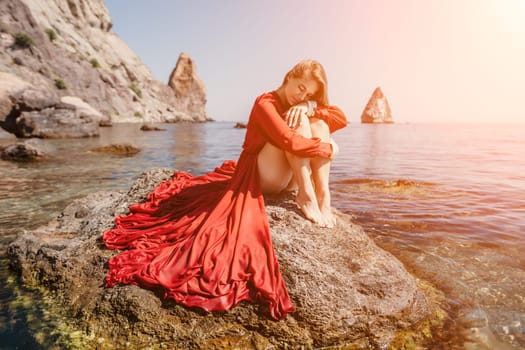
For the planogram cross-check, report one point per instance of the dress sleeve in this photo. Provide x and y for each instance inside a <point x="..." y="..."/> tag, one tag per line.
<point x="279" y="133"/>
<point x="333" y="116"/>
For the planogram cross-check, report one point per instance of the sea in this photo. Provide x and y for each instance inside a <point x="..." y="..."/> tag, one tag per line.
<point x="448" y="200"/>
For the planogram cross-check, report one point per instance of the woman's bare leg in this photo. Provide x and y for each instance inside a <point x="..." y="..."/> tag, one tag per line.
<point x="276" y="169"/>
<point x="275" y="172"/>
<point x="321" y="173"/>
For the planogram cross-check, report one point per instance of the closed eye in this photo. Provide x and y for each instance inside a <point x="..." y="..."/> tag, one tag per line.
<point x="304" y="89"/>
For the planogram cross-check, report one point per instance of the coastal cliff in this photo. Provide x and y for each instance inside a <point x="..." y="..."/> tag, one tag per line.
<point x="347" y="291"/>
<point x="57" y="49"/>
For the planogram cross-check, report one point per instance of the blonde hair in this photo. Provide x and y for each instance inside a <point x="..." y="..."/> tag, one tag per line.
<point x="311" y="69"/>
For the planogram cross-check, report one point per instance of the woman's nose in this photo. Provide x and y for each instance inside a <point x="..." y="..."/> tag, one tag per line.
<point x="302" y="95"/>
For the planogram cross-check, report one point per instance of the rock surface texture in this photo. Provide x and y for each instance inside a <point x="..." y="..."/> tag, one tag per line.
<point x="377" y="110"/>
<point x="347" y="291"/>
<point x="67" y="48"/>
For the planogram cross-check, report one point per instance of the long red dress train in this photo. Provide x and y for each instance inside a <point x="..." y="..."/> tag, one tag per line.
<point x="205" y="240"/>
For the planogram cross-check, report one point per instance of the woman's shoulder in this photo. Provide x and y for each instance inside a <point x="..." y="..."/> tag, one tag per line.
<point x="270" y="97"/>
<point x="267" y="96"/>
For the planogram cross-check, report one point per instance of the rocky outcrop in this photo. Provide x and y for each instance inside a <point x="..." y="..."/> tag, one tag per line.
<point x="347" y="291"/>
<point x="377" y="110"/>
<point x="189" y="90"/>
<point x="67" y="48"/>
<point x="28" y="150"/>
<point x="36" y="113"/>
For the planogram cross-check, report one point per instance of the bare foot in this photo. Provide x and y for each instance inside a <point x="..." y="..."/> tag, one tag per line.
<point x="328" y="216"/>
<point x="326" y="209"/>
<point x="310" y="209"/>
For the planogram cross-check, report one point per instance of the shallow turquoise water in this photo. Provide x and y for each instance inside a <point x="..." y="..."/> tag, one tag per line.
<point x="447" y="200"/>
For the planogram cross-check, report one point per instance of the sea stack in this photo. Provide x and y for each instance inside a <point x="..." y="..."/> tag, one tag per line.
<point x="377" y="110"/>
<point x="188" y="88"/>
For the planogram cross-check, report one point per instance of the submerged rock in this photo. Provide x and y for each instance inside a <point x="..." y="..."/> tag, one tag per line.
<point x="347" y="291"/>
<point x="377" y="110"/>
<point x="117" y="148"/>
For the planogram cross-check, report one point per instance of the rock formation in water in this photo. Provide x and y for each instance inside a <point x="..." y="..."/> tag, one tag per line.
<point x="67" y="48"/>
<point x="347" y="291"/>
<point x="150" y="127"/>
<point x="26" y="151"/>
<point x="188" y="88"/>
<point x="377" y="110"/>
<point x="240" y="125"/>
<point x="117" y="148"/>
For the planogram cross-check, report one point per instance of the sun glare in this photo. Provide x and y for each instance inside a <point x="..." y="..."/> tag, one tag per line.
<point x="512" y="15"/>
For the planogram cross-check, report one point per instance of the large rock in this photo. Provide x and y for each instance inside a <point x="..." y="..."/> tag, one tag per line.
<point x="28" y="150"/>
<point x="55" y="123"/>
<point x="10" y="85"/>
<point x="72" y="51"/>
<point x="84" y="108"/>
<point x="188" y="88"/>
<point x="377" y="110"/>
<point x="347" y="291"/>
<point x="31" y="112"/>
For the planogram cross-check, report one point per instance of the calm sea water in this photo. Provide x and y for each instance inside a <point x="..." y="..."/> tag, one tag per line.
<point x="447" y="200"/>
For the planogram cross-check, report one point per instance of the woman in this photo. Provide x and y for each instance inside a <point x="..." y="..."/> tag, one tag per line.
<point x="304" y="88"/>
<point x="205" y="240"/>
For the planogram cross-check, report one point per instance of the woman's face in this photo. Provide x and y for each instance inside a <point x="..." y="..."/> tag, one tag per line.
<point x="298" y="90"/>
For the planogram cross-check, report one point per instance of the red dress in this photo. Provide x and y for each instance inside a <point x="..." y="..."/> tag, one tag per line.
<point x="205" y="240"/>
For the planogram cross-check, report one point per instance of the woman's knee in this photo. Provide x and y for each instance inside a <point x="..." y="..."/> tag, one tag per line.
<point x="320" y="129"/>
<point x="304" y="128"/>
<point x="335" y="148"/>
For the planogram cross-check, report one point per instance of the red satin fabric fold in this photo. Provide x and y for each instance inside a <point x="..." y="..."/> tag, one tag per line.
<point x="204" y="240"/>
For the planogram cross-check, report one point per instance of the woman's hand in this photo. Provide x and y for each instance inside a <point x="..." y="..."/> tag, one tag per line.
<point x="335" y="148"/>
<point x="293" y="115"/>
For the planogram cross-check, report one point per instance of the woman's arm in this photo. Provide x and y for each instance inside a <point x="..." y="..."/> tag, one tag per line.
<point x="270" y="122"/>
<point x="332" y="116"/>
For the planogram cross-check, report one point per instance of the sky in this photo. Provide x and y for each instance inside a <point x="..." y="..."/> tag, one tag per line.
<point x="435" y="60"/>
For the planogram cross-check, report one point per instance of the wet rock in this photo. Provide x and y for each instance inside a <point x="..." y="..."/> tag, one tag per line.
<point x="475" y="318"/>
<point x="239" y="125"/>
<point x="347" y="291"/>
<point x="377" y="110"/>
<point x="117" y="148"/>
<point x="150" y="127"/>
<point x="28" y="150"/>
